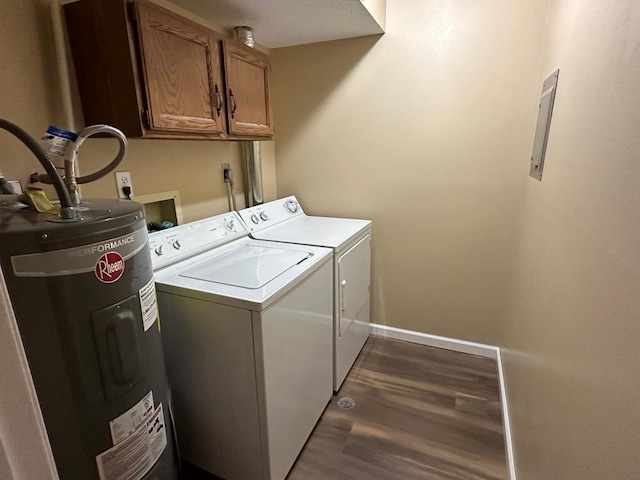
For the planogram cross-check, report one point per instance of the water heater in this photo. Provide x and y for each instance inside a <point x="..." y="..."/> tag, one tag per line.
<point x="83" y="295"/>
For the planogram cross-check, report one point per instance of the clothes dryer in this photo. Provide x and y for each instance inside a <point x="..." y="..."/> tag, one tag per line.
<point x="247" y="328"/>
<point x="284" y="221"/>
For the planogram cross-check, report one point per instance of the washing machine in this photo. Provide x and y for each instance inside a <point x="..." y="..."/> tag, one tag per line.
<point x="247" y="331"/>
<point x="284" y="221"/>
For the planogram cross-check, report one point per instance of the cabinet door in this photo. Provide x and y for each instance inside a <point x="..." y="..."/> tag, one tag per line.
<point x="182" y="72"/>
<point x="247" y="79"/>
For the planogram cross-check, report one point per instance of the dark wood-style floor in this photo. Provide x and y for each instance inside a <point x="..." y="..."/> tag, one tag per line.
<point x="420" y="413"/>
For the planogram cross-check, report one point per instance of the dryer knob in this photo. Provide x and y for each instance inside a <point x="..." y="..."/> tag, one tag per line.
<point x="177" y="245"/>
<point x="158" y="250"/>
<point x="254" y="218"/>
<point x="229" y="224"/>
<point x="264" y="216"/>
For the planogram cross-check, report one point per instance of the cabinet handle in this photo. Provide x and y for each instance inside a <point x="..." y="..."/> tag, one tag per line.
<point x="218" y="100"/>
<point x="234" y="104"/>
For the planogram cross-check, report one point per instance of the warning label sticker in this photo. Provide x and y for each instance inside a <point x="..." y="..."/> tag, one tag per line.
<point x="132" y="458"/>
<point x="149" y="304"/>
<point x="125" y="424"/>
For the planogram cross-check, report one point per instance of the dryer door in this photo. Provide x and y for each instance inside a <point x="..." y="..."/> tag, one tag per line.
<point x="354" y="273"/>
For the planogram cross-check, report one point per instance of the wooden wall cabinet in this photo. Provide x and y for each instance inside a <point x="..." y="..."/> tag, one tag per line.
<point x="247" y="80"/>
<point x="154" y="74"/>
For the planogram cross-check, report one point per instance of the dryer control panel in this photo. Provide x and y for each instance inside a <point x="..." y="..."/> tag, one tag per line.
<point x="272" y="213"/>
<point x="177" y="243"/>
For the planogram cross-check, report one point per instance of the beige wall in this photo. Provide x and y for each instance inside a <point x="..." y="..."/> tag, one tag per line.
<point x="573" y="360"/>
<point x="427" y="130"/>
<point x="191" y="167"/>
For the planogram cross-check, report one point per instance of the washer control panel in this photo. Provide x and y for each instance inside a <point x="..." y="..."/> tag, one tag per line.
<point x="173" y="244"/>
<point x="268" y="214"/>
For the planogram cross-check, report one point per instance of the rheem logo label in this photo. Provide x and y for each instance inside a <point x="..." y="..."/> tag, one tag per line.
<point x="109" y="267"/>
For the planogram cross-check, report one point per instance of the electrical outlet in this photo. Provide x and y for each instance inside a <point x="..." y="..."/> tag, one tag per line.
<point x="123" y="179"/>
<point x="225" y="167"/>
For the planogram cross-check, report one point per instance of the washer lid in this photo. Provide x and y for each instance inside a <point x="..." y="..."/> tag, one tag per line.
<point x="249" y="266"/>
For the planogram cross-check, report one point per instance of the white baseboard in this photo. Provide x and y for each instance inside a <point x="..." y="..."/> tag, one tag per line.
<point x="435" y="341"/>
<point x="462" y="346"/>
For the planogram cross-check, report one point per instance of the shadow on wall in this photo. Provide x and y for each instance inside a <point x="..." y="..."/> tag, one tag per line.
<point x="328" y="72"/>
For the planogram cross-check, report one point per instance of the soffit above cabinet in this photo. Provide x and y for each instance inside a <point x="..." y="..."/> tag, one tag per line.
<point x="284" y="23"/>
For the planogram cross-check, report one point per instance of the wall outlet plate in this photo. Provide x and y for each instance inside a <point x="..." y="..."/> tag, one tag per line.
<point x="123" y="179"/>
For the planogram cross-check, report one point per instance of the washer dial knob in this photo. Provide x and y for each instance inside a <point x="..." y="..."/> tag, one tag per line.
<point x="264" y="216"/>
<point x="177" y="245"/>
<point x="228" y="223"/>
<point x="292" y="206"/>
<point x="254" y="218"/>
<point x="158" y="250"/>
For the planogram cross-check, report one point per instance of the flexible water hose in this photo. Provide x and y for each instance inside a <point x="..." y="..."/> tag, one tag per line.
<point x="71" y="160"/>
<point x="231" y="193"/>
<point x="66" y="210"/>
<point x="92" y="130"/>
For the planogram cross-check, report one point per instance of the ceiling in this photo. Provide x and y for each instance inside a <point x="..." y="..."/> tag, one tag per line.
<point x="283" y="23"/>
